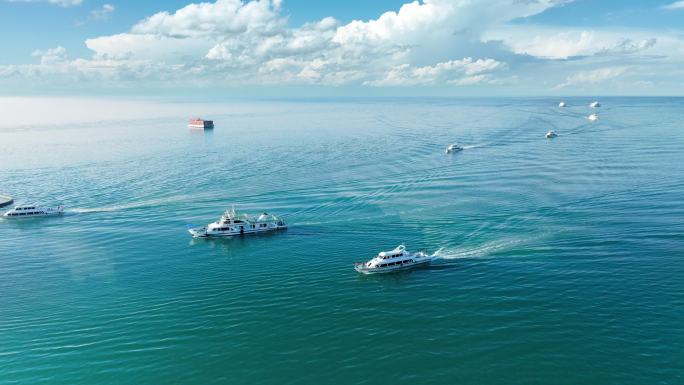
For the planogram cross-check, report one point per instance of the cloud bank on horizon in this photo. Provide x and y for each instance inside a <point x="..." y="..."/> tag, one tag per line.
<point x="461" y="45"/>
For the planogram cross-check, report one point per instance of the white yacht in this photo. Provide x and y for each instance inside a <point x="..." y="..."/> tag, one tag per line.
<point x="593" y="117"/>
<point x="453" y="148"/>
<point x="595" y="104"/>
<point x="233" y="223"/>
<point x="397" y="259"/>
<point x="562" y="104"/>
<point x="29" y="211"/>
<point x="551" y="134"/>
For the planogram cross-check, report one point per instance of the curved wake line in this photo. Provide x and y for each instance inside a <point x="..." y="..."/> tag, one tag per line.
<point x="483" y="251"/>
<point x="132" y="205"/>
<point x="473" y="146"/>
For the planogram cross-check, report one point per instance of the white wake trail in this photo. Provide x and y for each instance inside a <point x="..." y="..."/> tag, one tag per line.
<point x="133" y="205"/>
<point x="483" y="251"/>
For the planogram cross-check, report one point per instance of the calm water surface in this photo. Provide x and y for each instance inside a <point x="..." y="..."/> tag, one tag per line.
<point x="562" y="261"/>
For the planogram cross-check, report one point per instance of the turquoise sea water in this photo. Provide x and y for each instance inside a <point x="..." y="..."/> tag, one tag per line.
<point x="562" y="261"/>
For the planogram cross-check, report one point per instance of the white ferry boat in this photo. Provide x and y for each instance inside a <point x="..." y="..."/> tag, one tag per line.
<point x="453" y="148"/>
<point x="201" y="124"/>
<point x="595" y="104"/>
<point x="28" y="211"/>
<point x="562" y="104"/>
<point x="232" y="223"/>
<point x="551" y="134"/>
<point x="397" y="259"/>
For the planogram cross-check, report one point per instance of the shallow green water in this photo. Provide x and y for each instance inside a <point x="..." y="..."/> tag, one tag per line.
<point x="562" y="263"/>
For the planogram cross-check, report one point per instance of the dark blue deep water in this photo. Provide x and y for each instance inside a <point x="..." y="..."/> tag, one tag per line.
<point x="562" y="260"/>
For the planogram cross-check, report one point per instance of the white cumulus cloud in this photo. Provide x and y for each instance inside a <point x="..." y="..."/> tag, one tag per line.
<point x="213" y="20"/>
<point x="458" y="72"/>
<point x="593" y="77"/>
<point x="552" y="44"/>
<point x="444" y="43"/>
<point x="103" y="13"/>
<point x="250" y="42"/>
<point x="675" y="5"/>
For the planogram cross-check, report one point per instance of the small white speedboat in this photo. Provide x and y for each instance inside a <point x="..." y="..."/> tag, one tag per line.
<point x="595" y="104"/>
<point x="397" y="259"/>
<point x="562" y="104"/>
<point x="31" y="211"/>
<point x="593" y="117"/>
<point x="551" y="134"/>
<point x="232" y="223"/>
<point x="453" y="148"/>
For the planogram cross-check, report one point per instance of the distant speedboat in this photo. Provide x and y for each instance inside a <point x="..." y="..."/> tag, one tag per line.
<point x="453" y="148"/>
<point x="551" y="134"/>
<point x="562" y="104"/>
<point x="29" y="211"/>
<point x="595" y="104"/>
<point x="232" y="223"/>
<point x="397" y="259"/>
<point x="201" y="124"/>
<point x="593" y="117"/>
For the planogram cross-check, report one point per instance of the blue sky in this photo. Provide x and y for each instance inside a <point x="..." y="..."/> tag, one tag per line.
<point x="355" y="47"/>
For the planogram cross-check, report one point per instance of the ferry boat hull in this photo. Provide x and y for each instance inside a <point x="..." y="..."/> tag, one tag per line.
<point x="202" y="232"/>
<point x="201" y="124"/>
<point x="394" y="260"/>
<point x="22" y="212"/>
<point x="233" y="224"/>
<point x="383" y="270"/>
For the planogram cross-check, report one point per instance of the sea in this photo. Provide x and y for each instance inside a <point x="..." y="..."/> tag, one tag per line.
<point x="559" y="261"/>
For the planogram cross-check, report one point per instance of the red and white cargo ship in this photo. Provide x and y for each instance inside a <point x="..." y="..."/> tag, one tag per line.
<point x="201" y="124"/>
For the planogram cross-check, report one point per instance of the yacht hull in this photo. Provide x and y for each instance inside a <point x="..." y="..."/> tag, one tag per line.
<point x="202" y="232"/>
<point x="382" y="270"/>
<point x="44" y="212"/>
<point x="32" y="216"/>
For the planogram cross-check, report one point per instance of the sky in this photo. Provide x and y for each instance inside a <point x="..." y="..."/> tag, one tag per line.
<point x="284" y="48"/>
